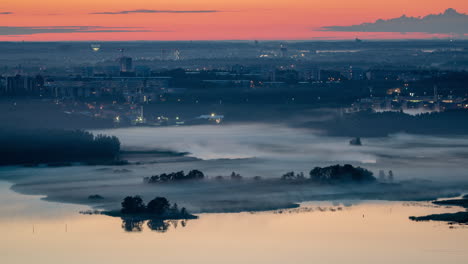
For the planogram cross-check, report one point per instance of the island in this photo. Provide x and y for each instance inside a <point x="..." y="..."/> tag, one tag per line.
<point x="459" y="217"/>
<point x="159" y="208"/>
<point x="335" y="174"/>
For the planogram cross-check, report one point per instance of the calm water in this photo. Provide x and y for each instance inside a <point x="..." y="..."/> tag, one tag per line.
<point x="35" y="231"/>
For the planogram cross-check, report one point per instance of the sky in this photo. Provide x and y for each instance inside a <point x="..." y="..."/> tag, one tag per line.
<point x="112" y="20"/>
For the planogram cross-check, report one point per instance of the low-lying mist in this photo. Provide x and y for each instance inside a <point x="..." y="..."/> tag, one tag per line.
<point x="251" y="150"/>
<point x="270" y="150"/>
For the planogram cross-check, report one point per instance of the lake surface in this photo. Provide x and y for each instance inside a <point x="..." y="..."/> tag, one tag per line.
<point x="35" y="231"/>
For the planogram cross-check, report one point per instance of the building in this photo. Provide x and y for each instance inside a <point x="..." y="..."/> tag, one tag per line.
<point x="126" y="65"/>
<point x="23" y="85"/>
<point x="132" y="89"/>
<point x="283" y="51"/>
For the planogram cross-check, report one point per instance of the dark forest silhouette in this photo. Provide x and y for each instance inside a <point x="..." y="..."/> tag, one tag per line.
<point x="56" y="146"/>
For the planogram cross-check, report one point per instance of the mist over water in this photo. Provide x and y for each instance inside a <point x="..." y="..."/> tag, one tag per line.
<point x="270" y="150"/>
<point x="264" y="150"/>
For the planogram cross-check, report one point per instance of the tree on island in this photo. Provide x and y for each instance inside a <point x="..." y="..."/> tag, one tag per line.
<point x="133" y="205"/>
<point x="195" y="175"/>
<point x="390" y="176"/>
<point x="175" y="176"/>
<point x="183" y="211"/>
<point x="236" y="176"/>
<point x="158" y="206"/>
<point x="291" y="176"/>
<point x="341" y="174"/>
<point x="174" y="209"/>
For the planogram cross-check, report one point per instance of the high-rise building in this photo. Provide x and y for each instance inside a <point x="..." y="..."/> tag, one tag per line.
<point x="126" y="64"/>
<point x="283" y="51"/>
<point x="126" y="67"/>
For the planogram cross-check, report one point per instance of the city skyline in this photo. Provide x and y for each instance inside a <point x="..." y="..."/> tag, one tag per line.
<point x="52" y="20"/>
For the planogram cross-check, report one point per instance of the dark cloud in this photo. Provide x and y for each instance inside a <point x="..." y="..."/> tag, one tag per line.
<point x="150" y="11"/>
<point x="6" y="13"/>
<point x="11" y="31"/>
<point x="448" y="22"/>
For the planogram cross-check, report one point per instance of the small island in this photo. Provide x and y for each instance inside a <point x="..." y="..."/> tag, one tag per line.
<point x="355" y="142"/>
<point x="159" y="208"/>
<point x="459" y="217"/>
<point x="336" y="174"/>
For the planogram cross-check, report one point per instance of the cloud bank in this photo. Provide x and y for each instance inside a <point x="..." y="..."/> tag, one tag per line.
<point x="448" y="22"/>
<point x="151" y="11"/>
<point x="12" y="31"/>
<point x="6" y="13"/>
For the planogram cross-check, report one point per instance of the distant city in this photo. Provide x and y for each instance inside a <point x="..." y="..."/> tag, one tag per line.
<point x="118" y="81"/>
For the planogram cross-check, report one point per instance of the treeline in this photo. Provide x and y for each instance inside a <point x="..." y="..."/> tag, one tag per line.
<point x="372" y="124"/>
<point x="175" y="176"/>
<point x="56" y="146"/>
<point x="331" y="175"/>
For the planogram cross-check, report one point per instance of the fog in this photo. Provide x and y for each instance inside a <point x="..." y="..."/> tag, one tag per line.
<point x="271" y="150"/>
<point x="252" y="150"/>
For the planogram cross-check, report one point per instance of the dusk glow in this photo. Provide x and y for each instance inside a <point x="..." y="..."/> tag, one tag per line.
<point x="209" y="19"/>
<point x="233" y="131"/>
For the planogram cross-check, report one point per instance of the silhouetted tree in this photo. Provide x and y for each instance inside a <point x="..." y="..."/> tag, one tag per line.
<point x="195" y="175"/>
<point x="235" y="176"/>
<point x="174" y="210"/>
<point x="133" y="205"/>
<point x="56" y="146"/>
<point x="345" y="173"/>
<point x="175" y="176"/>
<point x="381" y="176"/>
<point x="390" y="176"/>
<point x="183" y="211"/>
<point x="158" y="206"/>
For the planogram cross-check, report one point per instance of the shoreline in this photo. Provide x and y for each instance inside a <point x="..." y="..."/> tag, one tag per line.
<point x="286" y="199"/>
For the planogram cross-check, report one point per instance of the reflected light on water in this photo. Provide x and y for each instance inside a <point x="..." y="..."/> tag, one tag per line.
<point x="364" y="232"/>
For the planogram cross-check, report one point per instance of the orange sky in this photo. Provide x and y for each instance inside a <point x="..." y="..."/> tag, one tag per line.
<point x="237" y="19"/>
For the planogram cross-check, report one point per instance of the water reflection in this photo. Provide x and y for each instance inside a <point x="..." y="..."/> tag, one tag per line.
<point x="326" y="235"/>
<point x="307" y="209"/>
<point x="158" y="225"/>
<point x="131" y="225"/>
